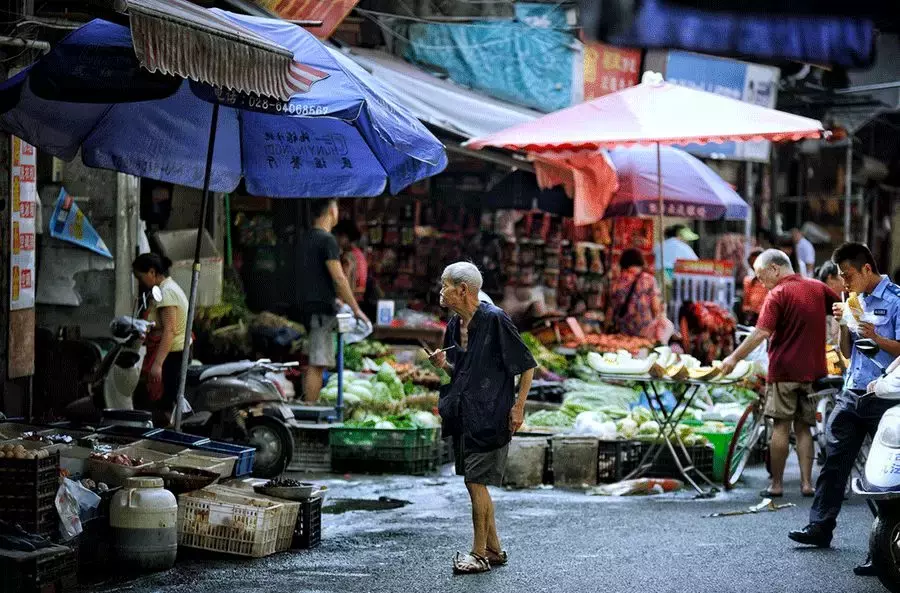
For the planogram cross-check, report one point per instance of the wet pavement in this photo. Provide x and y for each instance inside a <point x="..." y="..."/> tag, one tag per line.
<point x="557" y="541"/>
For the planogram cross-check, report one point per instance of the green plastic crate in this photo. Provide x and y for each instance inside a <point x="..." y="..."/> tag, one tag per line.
<point x="374" y="450"/>
<point x="720" y="442"/>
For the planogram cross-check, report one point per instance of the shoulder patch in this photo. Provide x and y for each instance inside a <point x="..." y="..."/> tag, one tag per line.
<point x="893" y="290"/>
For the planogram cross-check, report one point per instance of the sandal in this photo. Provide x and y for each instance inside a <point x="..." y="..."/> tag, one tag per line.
<point x="497" y="558"/>
<point x="766" y="494"/>
<point x="470" y="563"/>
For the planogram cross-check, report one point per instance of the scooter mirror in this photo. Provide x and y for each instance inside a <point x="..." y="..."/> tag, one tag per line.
<point x="156" y="293"/>
<point x="868" y="347"/>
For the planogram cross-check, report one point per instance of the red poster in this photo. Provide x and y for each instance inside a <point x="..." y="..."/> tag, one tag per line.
<point x="608" y="69"/>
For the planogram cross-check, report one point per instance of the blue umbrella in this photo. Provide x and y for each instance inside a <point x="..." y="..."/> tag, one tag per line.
<point x="336" y="137"/>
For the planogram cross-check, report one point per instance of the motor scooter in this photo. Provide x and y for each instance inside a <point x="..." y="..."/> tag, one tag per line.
<point x="242" y="402"/>
<point x="880" y="484"/>
<point x="108" y="392"/>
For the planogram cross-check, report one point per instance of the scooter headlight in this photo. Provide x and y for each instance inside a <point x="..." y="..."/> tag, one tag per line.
<point x="890" y="435"/>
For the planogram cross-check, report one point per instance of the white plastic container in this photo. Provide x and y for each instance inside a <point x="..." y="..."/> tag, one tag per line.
<point x="143" y="517"/>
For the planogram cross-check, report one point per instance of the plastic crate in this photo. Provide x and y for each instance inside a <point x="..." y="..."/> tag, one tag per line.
<point x="177" y="438"/>
<point x="380" y="451"/>
<point x="27" y="493"/>
<point x="720" y="442"/>
<point x="230" y="524"/>
<point x="114" y="474"/>
<point x="664" y="466"/>
<point x="170" y="449"/>
<point x="122" y="430"/>
<point x="308" y="529"/>
<point x="617" y="459"/>
<point x="312" y="451"/>
<point x="243" y="465"/>
<point x="10" y="431"/>
<point x="207" y="460"/>
<point x="53" y="569"/>
<point x="287" y="517"/>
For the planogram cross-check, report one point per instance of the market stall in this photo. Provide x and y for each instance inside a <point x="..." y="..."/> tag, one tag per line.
<point x="71" y="494"/>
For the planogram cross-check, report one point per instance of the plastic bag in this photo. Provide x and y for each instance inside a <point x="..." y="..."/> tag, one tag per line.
<point x="74" y="503"/>
<point x="640" y="486"/>
<point x="852" y="319"/>
<point x="361" y="329"/>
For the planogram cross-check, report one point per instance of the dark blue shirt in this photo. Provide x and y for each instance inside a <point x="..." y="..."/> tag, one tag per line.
<point x="477" y="403"/>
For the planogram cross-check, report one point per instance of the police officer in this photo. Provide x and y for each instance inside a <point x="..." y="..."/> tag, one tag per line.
<point x="851" y="421"/>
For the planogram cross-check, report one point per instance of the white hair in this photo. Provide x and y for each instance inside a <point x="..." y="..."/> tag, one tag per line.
<point x="463" y="273"/>
<point x="774" y="257"/>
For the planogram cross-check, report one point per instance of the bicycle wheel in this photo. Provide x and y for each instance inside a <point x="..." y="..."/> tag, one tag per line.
<point x="747" y="433"/>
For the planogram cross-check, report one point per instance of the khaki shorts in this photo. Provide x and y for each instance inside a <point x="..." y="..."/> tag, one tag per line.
<point x="480" y="468"/>
<point x="791" y="401"/>
<point x="321" y="341"/>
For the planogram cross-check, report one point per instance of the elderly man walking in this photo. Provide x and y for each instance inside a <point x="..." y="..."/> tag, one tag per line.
<point x="793" y="320"/>
<point x="484" y="354"/>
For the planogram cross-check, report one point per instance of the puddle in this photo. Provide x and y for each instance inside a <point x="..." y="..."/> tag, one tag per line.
<point x="338" y="506"/>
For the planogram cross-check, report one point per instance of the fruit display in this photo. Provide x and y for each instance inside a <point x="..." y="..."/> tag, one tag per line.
<point x="18" y="451"/>
<point x="663" y="363"/>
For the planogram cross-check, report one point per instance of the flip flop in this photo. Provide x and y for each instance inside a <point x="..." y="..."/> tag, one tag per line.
<point x="766" y="494"/>
<point x="500" y="558"/>
<point x="808" y="494"/>
<point x="470" y="564"/>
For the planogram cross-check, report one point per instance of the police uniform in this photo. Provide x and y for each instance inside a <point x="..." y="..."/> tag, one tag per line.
<point x="851" y="421"/>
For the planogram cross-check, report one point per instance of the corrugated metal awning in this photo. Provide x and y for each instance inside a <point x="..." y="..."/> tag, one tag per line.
<point x="179" y="38"/>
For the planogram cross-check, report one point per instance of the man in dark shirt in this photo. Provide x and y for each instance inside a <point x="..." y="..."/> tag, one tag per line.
<point x="320" y="281"/>
<point x="485" y="354"/>
<point x="793" y="320"/>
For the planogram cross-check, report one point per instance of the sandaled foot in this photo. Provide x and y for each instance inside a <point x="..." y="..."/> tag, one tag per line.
<point x="808" y="492"/>
<point x="470" y="563"/>
<point x="497" y="558"/>
<point x="769" y="494"/>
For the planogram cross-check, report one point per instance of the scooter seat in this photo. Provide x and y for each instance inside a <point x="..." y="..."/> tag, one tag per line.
<point x="828" y="383"/>
<point x="201" y="373"/>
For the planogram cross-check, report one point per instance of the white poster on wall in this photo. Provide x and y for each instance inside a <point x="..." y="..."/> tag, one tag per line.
<point x="22" y="225"/>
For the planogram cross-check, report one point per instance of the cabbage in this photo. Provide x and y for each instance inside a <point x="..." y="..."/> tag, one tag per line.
<point x="684" y="431"/>
<point x="384" y="424"/>
<point x="388" y="376"/>
<point x="640" y="414"/>
<point x="425" y="420"/>
<point x="649" y="428"/>
<point x="381" y="392"/>
<point x="627" y="428"/>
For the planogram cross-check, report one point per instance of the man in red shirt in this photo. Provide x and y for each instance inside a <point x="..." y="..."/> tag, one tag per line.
<point x="793" y="320"/>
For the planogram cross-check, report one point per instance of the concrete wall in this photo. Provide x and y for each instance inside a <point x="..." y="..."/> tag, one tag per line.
<point x="95" y="277"/>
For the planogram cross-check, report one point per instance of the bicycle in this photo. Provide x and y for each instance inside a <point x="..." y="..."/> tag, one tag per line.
<point x="752" y="427"/>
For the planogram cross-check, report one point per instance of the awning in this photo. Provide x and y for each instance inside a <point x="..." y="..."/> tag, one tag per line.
<point x="178" y="38"/>
<point x="439" y="102"/>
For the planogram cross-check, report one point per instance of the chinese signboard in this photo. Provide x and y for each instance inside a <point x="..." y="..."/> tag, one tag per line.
<point x="22" y="225"/>
<point x="743" y="81"/>
<point x="330" y="12"/>
<point x="608" y="69"/>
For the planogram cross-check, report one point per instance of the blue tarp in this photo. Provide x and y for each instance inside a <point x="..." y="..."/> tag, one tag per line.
<point x="816" y="39"/>
<point x="512" y="61"/>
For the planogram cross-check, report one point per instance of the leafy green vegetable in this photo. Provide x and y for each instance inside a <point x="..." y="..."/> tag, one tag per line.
<point x="550" y="419"/>
<point x="554" y="363"/>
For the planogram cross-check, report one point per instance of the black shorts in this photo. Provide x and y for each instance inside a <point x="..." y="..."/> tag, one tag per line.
<point x="487" y="469"/>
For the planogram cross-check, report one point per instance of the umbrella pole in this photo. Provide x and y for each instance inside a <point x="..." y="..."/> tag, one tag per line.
<point x="662" y="237"/>
<point x="195" y="276"/>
